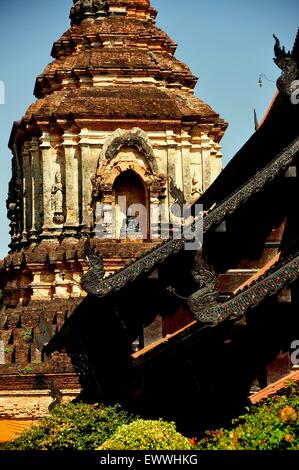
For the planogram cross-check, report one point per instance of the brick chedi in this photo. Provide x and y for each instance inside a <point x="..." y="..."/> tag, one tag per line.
<point x="115" y="115"/>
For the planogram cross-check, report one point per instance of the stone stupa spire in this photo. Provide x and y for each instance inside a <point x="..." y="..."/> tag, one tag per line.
<point x="96" y="9"/>
<point x="115" y="116"/>
<point x="114" y="101"/>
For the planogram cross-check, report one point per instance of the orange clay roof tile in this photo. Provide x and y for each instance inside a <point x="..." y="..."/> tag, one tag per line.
<point x="275" y="387"/>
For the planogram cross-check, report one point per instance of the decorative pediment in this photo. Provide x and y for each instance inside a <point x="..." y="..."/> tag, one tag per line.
<point x="134" y="138"/>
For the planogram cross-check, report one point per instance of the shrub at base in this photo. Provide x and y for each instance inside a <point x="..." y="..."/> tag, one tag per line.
<point x="147" y="435"/>
<point x="273" y="424"/>
<point x="72" y="427"/>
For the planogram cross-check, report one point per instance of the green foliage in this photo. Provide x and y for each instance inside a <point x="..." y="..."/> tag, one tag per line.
<point x="72" y="427"/>
<point x="25" y="370"/>
<point x="147" y="435"/>
<point x="271" y="425"/>
<point x="27" y="336"/>
<point x="7" y="350"/>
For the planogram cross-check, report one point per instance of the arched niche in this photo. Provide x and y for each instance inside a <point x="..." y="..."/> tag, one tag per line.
<point x="127" y="159"/>
<point x="131" y="206"/>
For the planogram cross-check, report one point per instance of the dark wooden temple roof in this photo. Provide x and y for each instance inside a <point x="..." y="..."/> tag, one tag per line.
<point x="284" y="272"/>
<point x="270" y="282"/>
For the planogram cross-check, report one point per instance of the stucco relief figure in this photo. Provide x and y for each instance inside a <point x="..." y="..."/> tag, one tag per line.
<point x="196" y="189"/>
<point x="57" y="199"/>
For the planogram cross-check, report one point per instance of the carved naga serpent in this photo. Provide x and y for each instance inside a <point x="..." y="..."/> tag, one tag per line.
<point x="207" y="294"/>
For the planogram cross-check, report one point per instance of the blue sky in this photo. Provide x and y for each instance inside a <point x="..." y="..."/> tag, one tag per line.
<point x="227" y="44"/>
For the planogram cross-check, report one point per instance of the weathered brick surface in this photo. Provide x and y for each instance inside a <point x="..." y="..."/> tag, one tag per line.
<point x="13" y="379"/>
<point x="71" y="249"/>
<point x="19" y="330"/>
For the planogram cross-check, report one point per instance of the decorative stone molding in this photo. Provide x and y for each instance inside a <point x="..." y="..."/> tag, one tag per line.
<point x="27" y="190"/>
<point x="71" y="156"/>
<point x="135" y="138"/>
<point x="46" y="158"/>
<point x="35" y="188"/>
<point x="14" y="202"/>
